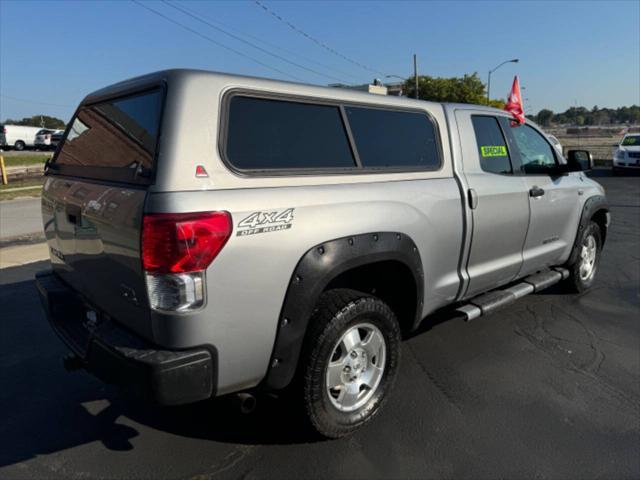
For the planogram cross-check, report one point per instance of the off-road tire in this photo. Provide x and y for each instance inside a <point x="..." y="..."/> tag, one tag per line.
<point x="336" y="312"/>
<point x="576" y="282"/>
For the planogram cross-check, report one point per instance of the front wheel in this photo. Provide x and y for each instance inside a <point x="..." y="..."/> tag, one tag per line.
<point x="350" y="361"/>
<point x="584" y="268"/>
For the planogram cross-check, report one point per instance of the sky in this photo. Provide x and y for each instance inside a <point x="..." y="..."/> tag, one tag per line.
<point x="582" y="53"/>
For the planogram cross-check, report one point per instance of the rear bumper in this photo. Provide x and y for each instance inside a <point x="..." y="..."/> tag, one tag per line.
<point x="117" y="356"/>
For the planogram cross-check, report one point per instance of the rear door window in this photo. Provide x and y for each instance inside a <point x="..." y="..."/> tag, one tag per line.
<point x="267" y="134"/>
<point x="394" y="139"/>
<point x="492" y="147"/>
<point x="114" y="140"/>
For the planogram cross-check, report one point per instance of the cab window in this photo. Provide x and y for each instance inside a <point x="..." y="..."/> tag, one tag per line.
<point x="535" y="152"/>
<point x="394" y="139"/>
<point x="492" y="148"/>
<point x="267" y="134"/>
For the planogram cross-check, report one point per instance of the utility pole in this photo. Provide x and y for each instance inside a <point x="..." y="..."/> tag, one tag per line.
<point x="415" y="72"/>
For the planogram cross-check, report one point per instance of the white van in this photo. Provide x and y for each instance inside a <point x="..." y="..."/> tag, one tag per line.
<point x="19" y="137"/>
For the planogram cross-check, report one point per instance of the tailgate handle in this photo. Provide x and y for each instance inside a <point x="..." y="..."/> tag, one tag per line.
<point x="73" y="214"/>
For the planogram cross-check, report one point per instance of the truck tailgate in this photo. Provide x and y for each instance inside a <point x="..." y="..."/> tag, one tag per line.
<point x="93" y="232"/>
<point x="93" y="202"/>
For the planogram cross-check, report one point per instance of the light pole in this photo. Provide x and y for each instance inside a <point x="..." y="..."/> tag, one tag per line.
<point x="514" y="60"/>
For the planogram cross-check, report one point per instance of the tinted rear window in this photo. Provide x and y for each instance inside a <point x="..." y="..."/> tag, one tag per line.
<point x="267" y="134"/>
<point x="115" y="139"/>
<point x="388" y="138"/>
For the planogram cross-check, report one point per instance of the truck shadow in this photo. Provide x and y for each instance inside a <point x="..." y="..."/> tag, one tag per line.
<point x="275" y="421"/>
<point x="47" y="410"/>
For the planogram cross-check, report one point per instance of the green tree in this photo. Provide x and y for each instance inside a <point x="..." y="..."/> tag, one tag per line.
<point x="43" y="121"/>
<point x="465" y="89"/>
<point x="544" y="117"/>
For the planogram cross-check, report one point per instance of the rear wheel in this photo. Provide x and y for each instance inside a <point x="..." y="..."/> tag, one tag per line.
<point x="583" y="269"/>
<point x="19" y="145"/>
<point x="350" y="361"/>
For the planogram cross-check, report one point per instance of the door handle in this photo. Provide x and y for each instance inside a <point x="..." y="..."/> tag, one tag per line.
<point x="536" y="192"/>
<point x="472" y="196"/>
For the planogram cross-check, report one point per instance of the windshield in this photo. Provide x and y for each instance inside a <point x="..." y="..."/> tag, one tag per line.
<point x="631" y="140"/>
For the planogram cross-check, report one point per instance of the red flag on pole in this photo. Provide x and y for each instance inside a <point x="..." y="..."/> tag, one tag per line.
<point x="514" y="103"/>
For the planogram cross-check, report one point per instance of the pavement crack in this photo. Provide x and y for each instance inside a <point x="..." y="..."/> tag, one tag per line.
<point x="547" y="343"/>
<point x="227" y="463"/>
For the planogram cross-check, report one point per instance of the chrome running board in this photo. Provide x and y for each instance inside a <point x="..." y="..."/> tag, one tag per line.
<point x="496" y="299"/>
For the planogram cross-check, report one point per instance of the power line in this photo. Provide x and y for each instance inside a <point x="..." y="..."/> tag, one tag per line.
<point x="275" y="55"/>
<point x="35" y="102"/>
<point x="277" y="47"/>
<point x="215" y="42"/>
<point x="315" y="40"/>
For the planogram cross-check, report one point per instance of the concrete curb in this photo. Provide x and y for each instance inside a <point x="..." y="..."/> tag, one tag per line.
<point x="18" y="255"/>
<point x="27" y="239"/>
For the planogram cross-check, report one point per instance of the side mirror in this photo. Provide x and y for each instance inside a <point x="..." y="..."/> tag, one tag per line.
<point x="579" y="161"/>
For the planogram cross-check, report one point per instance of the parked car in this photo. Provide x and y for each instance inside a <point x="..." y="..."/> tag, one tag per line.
<point x="627" y="156"/>
<point x="3" y="138"/>
<point x="296" y="246"/>
<point x="47" y="139"/>
<point x="20" y="137"/>
<point x="56" y="137"/>
<point x="43" y="139"/>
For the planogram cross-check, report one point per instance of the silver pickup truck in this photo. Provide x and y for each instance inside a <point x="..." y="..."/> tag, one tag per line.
<point x="213" y="234"/>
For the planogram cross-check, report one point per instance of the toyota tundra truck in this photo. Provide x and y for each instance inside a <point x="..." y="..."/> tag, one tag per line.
<point x="212" y="234"/>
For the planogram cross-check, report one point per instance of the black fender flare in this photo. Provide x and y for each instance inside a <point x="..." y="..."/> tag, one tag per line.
<point x="590" y="207"/>
<point x="315" y="270"/>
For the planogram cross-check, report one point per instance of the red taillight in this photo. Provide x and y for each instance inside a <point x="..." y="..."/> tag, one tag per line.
<point x="183" y="242"/>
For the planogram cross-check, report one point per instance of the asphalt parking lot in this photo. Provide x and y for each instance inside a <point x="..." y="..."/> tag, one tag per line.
<point x="547" y="388"/>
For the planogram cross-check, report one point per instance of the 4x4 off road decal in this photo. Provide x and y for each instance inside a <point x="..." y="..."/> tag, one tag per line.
<point x="263" y="222"/>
